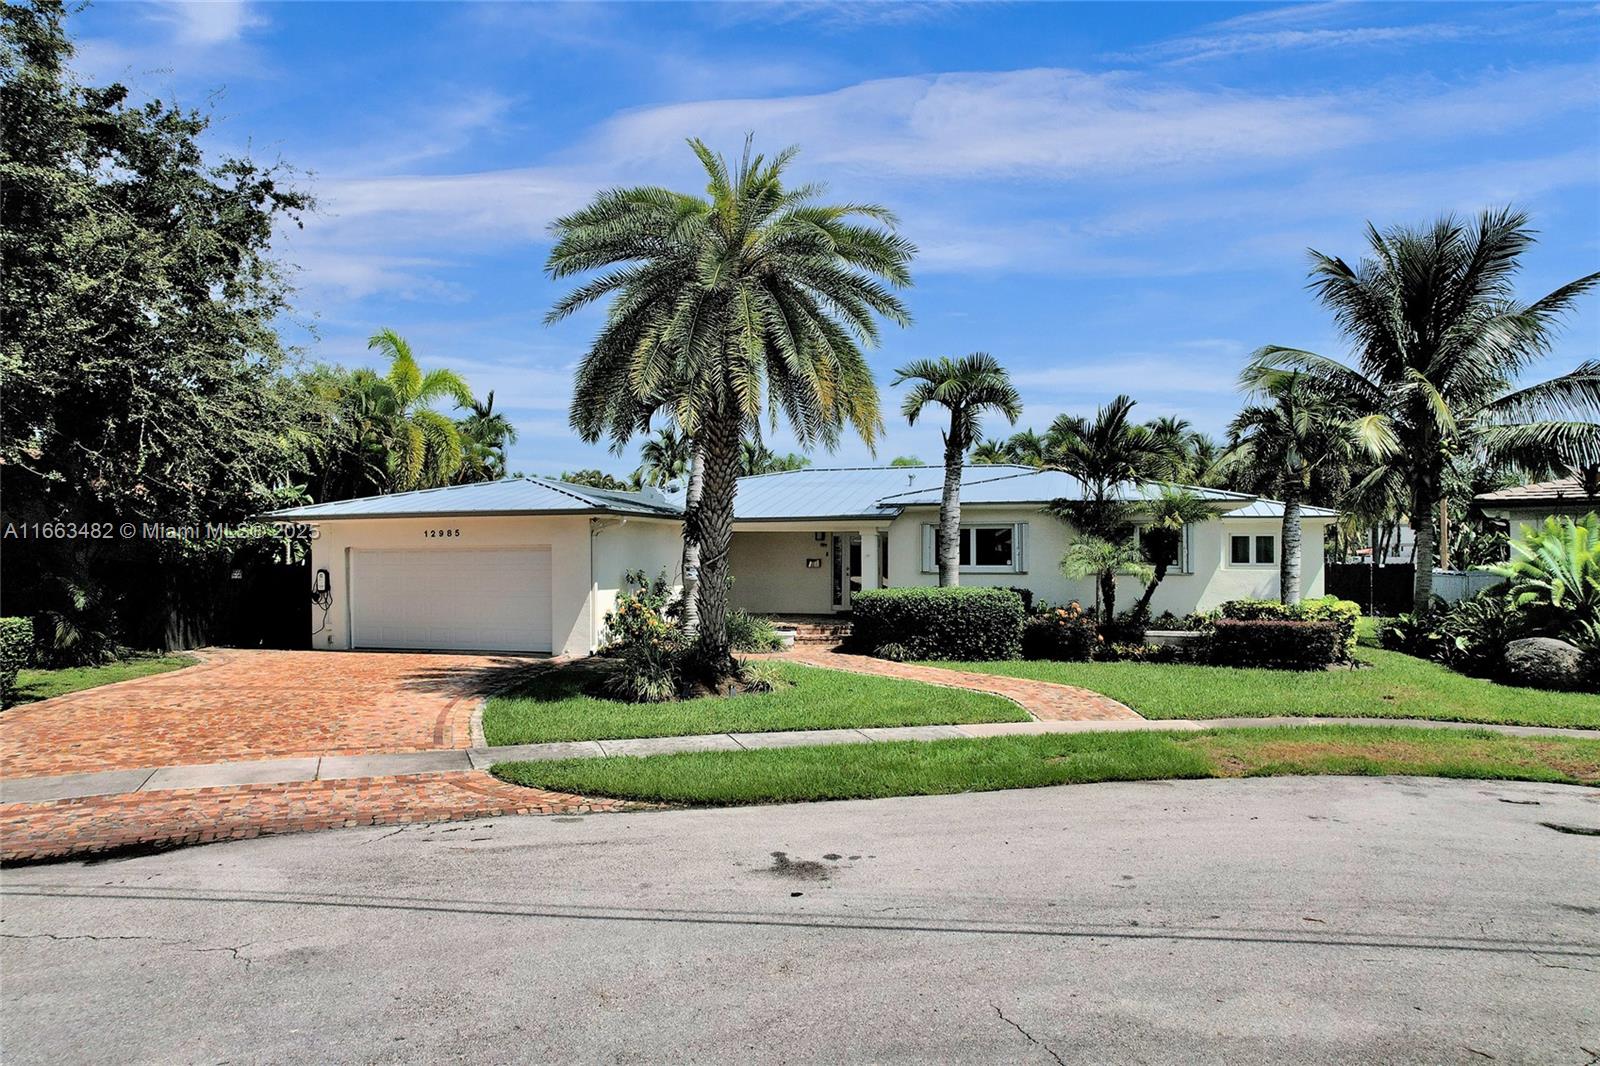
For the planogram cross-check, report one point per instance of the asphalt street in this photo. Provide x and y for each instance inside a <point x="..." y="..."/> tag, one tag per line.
<point x="1286" y="920"/>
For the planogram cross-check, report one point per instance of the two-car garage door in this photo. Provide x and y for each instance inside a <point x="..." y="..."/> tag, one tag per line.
<point x="490" y="599"/>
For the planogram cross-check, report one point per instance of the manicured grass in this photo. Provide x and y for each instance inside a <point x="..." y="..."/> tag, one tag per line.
<point x="1393" y="686"/>
<point x="559" y="705"/>
<point x="35" y="685"/>
<point x="911" y="768"/>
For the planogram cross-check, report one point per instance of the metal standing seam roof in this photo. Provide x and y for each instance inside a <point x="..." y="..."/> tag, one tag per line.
<point x="512" y="496"/>
<point x="1028" y="485"/>
<point x="1274" y="509"/>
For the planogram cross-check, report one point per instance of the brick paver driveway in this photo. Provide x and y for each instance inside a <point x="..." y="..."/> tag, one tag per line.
<point x="241" y="705"/>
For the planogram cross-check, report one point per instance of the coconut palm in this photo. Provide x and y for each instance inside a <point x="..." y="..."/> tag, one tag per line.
<point x="1441" y="342"/>
<point x="966" y="388"/>
<point x="990" y="452"/>
<point x="664" y="458"/>
<point x="485" y="435"/>
<point x="423" y="445"/>
<point x="1171" y="512"/>
<point x="1104" y="560"/>
<point x="753" y="301"/>
<point x="756" y="458"/>
<point x="1279" y="447"/>
<point x="1102" y="453"/>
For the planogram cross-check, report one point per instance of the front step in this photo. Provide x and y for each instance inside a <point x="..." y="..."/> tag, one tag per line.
<point x="823" y="633"/>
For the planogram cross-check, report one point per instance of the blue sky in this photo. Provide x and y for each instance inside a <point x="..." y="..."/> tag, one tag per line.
<point x="1108" y="198"/>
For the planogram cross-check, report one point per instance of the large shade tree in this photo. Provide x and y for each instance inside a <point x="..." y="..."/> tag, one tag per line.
<point x="966" y="388"/>
<point x="1441" y="345"/>
<point x="753" y="301"/>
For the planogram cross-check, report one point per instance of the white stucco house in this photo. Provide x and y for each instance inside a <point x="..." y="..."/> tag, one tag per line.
<point x="531" y="564"/>
<point x="1525" y="507"/>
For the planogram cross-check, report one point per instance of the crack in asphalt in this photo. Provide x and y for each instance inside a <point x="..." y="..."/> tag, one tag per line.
<point x="183" y="944"/>
<point x="1046" y="1048"/>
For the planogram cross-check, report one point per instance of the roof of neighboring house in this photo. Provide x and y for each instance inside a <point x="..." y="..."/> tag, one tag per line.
<point x="811" y="494"/>
<point x="512" y="496"/>
<point x="1274" y="509"/>
<point x="1564" y="490"/>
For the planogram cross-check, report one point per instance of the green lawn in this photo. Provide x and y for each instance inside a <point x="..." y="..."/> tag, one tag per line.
<point x="558" y="705"/>
<point x="1394" y="686"/>
<point x="35" y="685"/>
<point x="911" y="768"/>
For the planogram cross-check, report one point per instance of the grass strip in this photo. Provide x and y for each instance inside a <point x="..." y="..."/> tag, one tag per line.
<point x="560" y="704"/>
<point x="911" y="768"/>
<point x="34" y="685"/>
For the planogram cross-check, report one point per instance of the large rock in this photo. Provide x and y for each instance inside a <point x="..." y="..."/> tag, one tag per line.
<point x="1543" y="662"/>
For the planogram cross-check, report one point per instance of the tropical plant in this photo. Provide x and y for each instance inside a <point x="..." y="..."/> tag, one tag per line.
<point x="966" y="388"/>
<point x="1170" y="514"/>
<point x="752" y="301"/>
<point x="424" y="445"/>
<point x="1555" y="571"/>
<point x="1280" y="447"/>
<point x="663" y="459"/>
<point x="906" y="460"/>
<point x="756" y="458"/>
<point x="750" y="632"/>
<point x="1441" y="342"/>
<point x="989" y="452"/>
<point x="1104" y="561"/>
<point x="485" y="435"/>
<point x="597" y="479"/>
<point x="1103" y="453"/>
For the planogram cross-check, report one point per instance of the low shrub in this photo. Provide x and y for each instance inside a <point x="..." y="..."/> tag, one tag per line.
<point x="1064" y="634"/>
<point x="748" y="632"/>
<point x="16" y="644"/>
<point x="1276" y="643"/>
<point x="1343" y="614"/>
<point x="1126" y="628"/>
<point x="941" y="623"/>
<point x="1151" y="653"/>
<point x="649" y="671"/>
<point x="1026" y="595"/>
<point x="1193" y="622"/>
<point x="895" y="653"/>
<point x="640" y="616"/>
<point x="1471" y="635"/>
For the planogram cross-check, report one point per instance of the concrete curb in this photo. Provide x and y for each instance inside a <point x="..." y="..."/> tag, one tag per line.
<point x="394" y="764"/>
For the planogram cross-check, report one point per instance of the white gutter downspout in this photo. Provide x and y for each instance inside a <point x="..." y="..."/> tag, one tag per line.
<point x="596" y="527"/>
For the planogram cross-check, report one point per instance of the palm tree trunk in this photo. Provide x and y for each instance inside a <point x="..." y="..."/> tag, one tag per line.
<point x="691" y="539"/>
<point x="719" y="483"/>
<point x="950" y="511"/>
<point x="1108" y="594"/>
<point x="1289" y="565"/>
<point x="1142" y="608"/>
<point x="1422" y="503"/>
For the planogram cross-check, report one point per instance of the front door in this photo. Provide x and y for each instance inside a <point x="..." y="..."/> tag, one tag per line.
<point x="846" y="569"/>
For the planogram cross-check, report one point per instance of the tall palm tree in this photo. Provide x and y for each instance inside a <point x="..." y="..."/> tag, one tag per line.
<point x="423" y="445"/>
<point x="754" y="300"/>
<point x="990" y="452"/>
<point x="1102" y="453"/>
<point x="966" y="388"/>
<point x="664" y="458"/>
<point x="1441" y="342"/>
<point x="485" y="435"/>
<point x="1280" y="445"/>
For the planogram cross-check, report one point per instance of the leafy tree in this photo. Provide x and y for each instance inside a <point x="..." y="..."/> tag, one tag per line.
<point x="1281" y="445"/>
<point x="1104" y="560"/>
<point x="966" y="388"/>
<point x="485" y="435"/>
<point x="757" y="458"/>
<point x="1440" y="343"/>
<point x="752" y="301"/>
<point x="663" y="459"/>
<point x="906" y="460"/>
<point x="1171" y="513"/>
<point x="142" y="372"/>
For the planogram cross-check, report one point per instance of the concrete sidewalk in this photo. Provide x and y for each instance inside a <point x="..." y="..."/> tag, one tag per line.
<point x="347" y="767"/>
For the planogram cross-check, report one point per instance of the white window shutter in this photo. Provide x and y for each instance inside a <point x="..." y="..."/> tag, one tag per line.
<point x="929" y="556"/>
<point x="1019" y="548"/>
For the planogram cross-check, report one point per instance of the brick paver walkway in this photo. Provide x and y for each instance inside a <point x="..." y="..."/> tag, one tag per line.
<point x="37" y="832"/>
<point x="240" y="705"/>
<point x="1045" y="700"/>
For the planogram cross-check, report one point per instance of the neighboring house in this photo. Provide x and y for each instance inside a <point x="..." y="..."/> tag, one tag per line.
<point x="1525" y="506"/>
<point x="531" y="564"/>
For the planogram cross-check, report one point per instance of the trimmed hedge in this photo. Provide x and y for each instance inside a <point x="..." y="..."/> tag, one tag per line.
<point x="1281" y="644"/>
<point x="16" y="644"/>
<point x="939" y="623"/>
<point x="1063" y="634"/>
<point x="1342" y="613"/>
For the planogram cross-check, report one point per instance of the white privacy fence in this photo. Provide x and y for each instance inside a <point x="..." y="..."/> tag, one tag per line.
<point x="1453" y="585"/>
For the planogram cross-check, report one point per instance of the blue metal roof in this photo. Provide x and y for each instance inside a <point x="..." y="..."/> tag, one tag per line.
<point x="1028" y="485"/>
<point x="527" y="495"/>
<point x="1274" y="509"/>
<point x="843" y="492"/>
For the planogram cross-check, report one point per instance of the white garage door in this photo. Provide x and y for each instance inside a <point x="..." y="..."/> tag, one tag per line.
<point x="492" y="599"/>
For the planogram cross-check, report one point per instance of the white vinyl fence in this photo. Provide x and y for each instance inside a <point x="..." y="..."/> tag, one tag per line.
<point x="1453" y="585"/>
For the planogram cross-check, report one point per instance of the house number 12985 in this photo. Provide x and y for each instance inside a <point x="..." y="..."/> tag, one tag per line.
<point x="441" y="532"/>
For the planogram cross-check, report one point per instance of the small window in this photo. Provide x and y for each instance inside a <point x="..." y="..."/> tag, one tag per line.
<point x="992" y="545"/>
<point x="1240" y="550"/>
<point x="1266" y="550"/>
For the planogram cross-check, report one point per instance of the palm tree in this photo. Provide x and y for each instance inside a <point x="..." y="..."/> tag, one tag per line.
<point x="1102" y="453"/>
<point x="1440" y="344"/>
<point x="989" y="452"/>
<point x="664" y="458"/>
<point x="756" y="458"/>
<point x="755" y="300"/>
<point x="1104" y="560"/>
<point x="966" y="388"/>
<point x="485" y="434"/>
<point x="1027" y="448"/>
<point x="1280" y="446"/>
<point x="1171" y="512"/>
<point x="423" y="446"/>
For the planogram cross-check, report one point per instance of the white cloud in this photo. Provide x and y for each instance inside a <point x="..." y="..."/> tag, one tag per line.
<point x="204" y="23"/>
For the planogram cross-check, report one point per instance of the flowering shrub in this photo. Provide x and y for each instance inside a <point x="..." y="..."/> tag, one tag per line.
<point x="1062" y="633"/>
